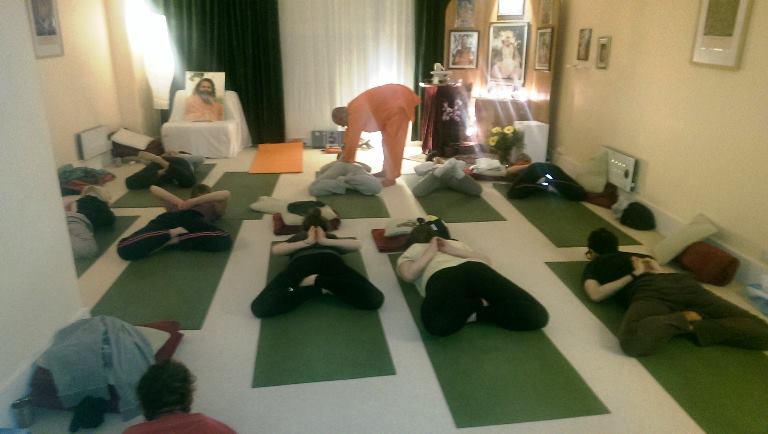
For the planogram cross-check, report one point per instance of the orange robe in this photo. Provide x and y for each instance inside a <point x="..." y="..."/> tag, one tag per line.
<point x="198" y="111"/>
<point x="389" y="109"/>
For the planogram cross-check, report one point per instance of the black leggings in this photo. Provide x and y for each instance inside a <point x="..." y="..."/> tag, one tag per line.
<point x="453" y="294"/>
<point x="283" y="293"/>
<point x="200" y="236"/>
<point x="525" y="184"/>
<point x="179" y="172"/>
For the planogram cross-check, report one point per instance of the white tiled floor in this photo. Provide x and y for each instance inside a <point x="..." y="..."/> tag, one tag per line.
<point x="222" y="354"/>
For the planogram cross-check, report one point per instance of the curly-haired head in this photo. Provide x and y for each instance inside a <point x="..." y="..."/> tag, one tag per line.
<point x="315" y="218"/>
<point x="166" y="387"/>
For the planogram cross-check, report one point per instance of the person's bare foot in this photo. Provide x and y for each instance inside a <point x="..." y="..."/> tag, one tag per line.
<point x="387" y="182"/>
<point x="691" y="317"/>
<point x="379" y="174"/>
<point x="309" y="280"/>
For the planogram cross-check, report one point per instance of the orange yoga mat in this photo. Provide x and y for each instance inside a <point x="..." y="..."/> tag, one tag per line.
<point x="278" y="158"/>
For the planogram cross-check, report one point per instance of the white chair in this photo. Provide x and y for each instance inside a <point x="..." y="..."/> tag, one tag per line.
<point x="221" y="139"/>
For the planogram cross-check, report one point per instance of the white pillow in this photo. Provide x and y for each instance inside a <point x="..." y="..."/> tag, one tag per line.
<point x="594" y="173"/>
<point x="698" y="229"/>
<point x="129" y="138"/>
<point x="397" y="227"/>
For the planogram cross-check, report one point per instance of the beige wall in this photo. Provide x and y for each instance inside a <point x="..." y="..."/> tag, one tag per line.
<point x="700" y="132"/>
<point x="39" y="293"/>
<point x="79" y="90"/>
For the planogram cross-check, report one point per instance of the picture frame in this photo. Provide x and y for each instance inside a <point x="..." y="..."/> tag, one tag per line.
<point x="585" y="39"/>
<point x="546" y="10"/>
<point x="46" y="28"/>
<point x="720" y="32"/>
<point x="465" y="13"/>
<point x="462" y="49"/>
<point x="510" y="10"/>
<point x="543" y="49"/>
<point x="219" y="80"/>
<point x="507" y="49"/>
<point x="603" y="52"/>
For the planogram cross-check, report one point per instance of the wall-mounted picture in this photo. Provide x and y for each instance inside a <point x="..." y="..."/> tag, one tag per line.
<point x="507" y="50"/>
<point x="545" y="13"/>
<point x="720" y="32"/>
<point x="585" y="38"/>
<point x="510" y="10"/>
<point x="543" y="49"/>
<point x="603" y="52"/>
<point x="462" y="52"/>
<point x="192" y="77"/>
<point x="465" y="13"/>
<point x="46" y="28"/>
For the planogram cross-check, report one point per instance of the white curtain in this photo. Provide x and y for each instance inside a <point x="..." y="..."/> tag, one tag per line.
<point x="332" y="50"/>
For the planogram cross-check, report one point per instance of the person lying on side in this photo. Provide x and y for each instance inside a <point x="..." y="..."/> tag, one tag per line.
<point x="187" y="225"/>
<point x="663" y="305"/>
<point x="170" y="168"/>
<point x="84" y="214"/>
<point x="316" y="266"/>
<point x="458" y="286"/>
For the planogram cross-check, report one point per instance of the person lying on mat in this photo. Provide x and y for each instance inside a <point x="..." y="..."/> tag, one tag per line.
<point x="337" y="177"/>
<point x="316" y="266"/>
<point x="170" y="168"/>
<point x="543" y="177"/>
<point x="663" y="305"/>
<point x="389" y="109"/>
<point x="166" y="392"/>
<point x="186" y="224"/>
<point x="445" y="174"/>
<point x="202" y="105"/>
<point x="459" y="286"/>
<point x="84" y="214"/>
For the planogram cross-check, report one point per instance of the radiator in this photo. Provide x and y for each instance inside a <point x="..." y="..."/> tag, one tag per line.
<point x="622" y="170"/>
<point x="93" y="142"/>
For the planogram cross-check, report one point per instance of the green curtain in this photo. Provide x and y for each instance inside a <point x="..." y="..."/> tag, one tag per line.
<point x="430" y="42"/>
<point x="240" y="38"/>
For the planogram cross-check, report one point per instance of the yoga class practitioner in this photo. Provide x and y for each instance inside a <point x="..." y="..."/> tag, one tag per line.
<point x="316" y="266"/>
<point x="663" y="305"/>
<point x="170" y="168"/>
<point x="459" y="286"/>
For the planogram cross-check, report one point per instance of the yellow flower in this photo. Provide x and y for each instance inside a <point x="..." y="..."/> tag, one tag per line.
<point x="492" y="141"/>
<point x="509" y="129"/>
<point x="496" y="130"/>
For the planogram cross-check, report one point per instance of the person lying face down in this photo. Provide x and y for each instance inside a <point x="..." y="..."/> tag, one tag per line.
<point x="186" y="225"/>
<point x="663" y="305"/>
<point x="458" y="285"/>
<point x="315" y="267"/>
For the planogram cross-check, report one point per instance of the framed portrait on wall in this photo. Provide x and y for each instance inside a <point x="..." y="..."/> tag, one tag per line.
<point x="510" y="10"/>
<point x="585" y="39"/>
<point x="720" y="32"/>
<point x="46" y="28"/>
<point x="545" y="13"/>
<point x="506" y="53"/>
<point x="543" y="49"/>
<point x="465" y="13"/>
<point x="462" y="51"/>
<point x="603" y="52"/>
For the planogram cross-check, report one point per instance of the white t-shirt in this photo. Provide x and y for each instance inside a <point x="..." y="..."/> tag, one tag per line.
<point x="440" y="261"/>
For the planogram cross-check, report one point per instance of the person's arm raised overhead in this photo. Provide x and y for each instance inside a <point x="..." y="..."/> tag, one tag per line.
<point x="411" y="270"/>
<point x="171" y="200"/>
<point x="458" y="251"/>
<point x="294" y="243"/>
<point x="597" y="292"/>
<point x="347" y="244"/>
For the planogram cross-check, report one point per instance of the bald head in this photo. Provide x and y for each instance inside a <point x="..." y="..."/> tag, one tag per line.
<point x="339" y="116"/>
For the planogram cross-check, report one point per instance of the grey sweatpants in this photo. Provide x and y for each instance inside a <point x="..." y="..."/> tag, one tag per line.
<point x="431" y="182"/>
<point x="338" y="176"/>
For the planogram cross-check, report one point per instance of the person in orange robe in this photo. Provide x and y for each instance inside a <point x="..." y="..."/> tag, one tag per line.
<point x="201" y="105"/>
<point x="389" y="109"/>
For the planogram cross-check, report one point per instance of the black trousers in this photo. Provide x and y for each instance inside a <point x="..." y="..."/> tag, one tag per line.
<point x="284" y="294"/>
<point x="179" y="172"/>
<point x="201" y="235"/>
<point x="453" y="294"/>
<point x="525" y="184"/>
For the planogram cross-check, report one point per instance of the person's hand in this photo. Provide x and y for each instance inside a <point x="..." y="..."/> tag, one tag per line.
<point x="638" y="266"/>
<point x="434" y="246"/>
<point x="184" y="205"/>
<point x="320" y="235"/>
<point x="651" y="266"/>
<point x="311" y="236"/>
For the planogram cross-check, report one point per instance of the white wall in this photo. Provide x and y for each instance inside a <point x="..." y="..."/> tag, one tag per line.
<point x="701" y="132"/>
<point x="38" y="293"/>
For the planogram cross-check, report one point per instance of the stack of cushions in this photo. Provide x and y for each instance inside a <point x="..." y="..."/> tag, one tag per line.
<point x="394" y="237"/>
<point x="163" y="337"/>
<point x="708" y="263"/>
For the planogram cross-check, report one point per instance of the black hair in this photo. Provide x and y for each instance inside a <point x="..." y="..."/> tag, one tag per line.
<point x="165" y="387"/>
<point x="315" y="218"/>
<point x="422" y="233"/>
<point x="96" y="211"/>
<point x="213" y="85"/>
<point x="602" y="241"/>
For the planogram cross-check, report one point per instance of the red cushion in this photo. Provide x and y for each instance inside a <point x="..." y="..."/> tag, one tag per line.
<point x="606" y="199"/>
<point x="709" y="263"/>
<point x="280" y="228"/>
<point x="397" y="243"/>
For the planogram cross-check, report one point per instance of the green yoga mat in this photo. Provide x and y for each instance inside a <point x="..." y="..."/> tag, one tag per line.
<point x="246" y="189"/>
<point x="724" y="389"/>
<point x="354" y="205"/>
<point x="105" y="236"/>
<point x="492" y="376"/>
<point x="145" y="199"/>
<point x="455" y="207"/>
<point x="169" y="285"/>
<point x="322" y="340"/>
<point x="566" y="223"/>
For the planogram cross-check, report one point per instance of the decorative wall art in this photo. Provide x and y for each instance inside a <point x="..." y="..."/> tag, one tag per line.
<point x="543" y="49"/>
<point x="462" y="52"/>
<point x="46" y="28"/>
<point x="720" y="32"/>
<point x="506" y="55"/>
<point x="603" y="52"/>
<point x="585" y="38"/>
